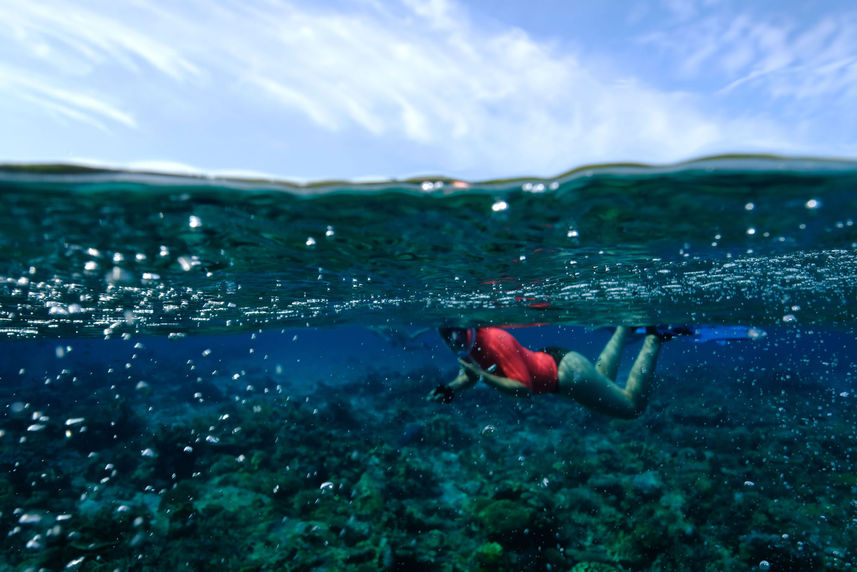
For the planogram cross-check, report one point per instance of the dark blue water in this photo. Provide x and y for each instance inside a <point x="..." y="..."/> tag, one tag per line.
<point x="209" y="374"/>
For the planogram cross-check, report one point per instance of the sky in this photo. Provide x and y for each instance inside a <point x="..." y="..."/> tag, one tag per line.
<point x="474" y="89"/>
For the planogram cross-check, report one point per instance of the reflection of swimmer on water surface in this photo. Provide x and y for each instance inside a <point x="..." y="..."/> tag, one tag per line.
<point x="494" y="356"/>
<point x="401" y="338"/>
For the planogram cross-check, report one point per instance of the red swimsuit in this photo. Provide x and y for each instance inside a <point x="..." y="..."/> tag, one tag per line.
<point x="494" y="346"/>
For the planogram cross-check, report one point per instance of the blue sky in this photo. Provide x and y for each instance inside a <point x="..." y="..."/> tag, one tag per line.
<point x="473" y="89"/>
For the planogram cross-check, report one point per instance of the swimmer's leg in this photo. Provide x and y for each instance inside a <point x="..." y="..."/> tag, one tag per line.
<point x="608" y="362"/>
<point x="639" y="383"/>
<point x="579" y="380"/>
<point x="582" y="381"/>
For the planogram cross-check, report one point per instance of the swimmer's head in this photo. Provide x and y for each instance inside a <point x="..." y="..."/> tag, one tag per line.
<point x="459" y="340"/>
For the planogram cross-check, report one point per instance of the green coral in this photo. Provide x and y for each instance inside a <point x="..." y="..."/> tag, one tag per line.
<point x="504" y="520"/>
<point x="490" y="556"/>
<point x="594" y="567"/>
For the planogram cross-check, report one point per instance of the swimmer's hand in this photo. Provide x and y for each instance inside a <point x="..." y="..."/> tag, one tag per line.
<point x="472" y="370"/>
<point x="441" y="394"/>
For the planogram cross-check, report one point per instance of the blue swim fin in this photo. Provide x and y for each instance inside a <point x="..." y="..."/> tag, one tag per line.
<point x="702" y="334"/>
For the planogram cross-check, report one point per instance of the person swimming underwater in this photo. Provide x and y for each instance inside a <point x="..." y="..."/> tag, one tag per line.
<point x="494" y="356"/>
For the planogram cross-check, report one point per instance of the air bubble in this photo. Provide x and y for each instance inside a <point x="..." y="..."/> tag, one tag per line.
<point x="187" y="262"/>
<point x="30" y="518"/>
<point x="488" y="431"/>
<point x="118" y="275"/>
<point x="35" y="543"/>
<point x="533" y="187"/>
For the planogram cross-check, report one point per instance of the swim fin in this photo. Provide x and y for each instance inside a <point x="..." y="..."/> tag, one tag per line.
<point x="702" y="334"/>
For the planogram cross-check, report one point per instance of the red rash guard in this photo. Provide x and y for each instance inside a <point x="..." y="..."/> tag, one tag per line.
<point x="494" y="346"/>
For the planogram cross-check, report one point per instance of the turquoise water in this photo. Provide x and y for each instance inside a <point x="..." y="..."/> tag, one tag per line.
<point x="206" y="373"/>
<point x="715" y="241"/>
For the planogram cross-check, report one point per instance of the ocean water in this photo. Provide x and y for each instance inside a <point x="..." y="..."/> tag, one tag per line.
<point x="203" y="373"/>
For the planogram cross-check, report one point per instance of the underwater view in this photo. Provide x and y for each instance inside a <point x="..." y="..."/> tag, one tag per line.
<point x="201" y="373"/>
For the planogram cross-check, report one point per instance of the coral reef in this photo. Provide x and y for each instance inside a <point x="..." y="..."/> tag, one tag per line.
<point x="367" y="475"/>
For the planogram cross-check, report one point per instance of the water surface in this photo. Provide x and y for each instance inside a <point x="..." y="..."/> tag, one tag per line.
<point x="723" y="240"/>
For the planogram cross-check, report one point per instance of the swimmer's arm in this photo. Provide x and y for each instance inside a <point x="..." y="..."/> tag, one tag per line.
<point x="507" y="385"/>
<point x="463" y="381"/>
<point x="504" y="384"/>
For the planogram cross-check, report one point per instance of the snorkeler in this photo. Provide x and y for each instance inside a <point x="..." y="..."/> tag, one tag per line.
<point x="494" y="356"/>
<point x="400" y="338"/>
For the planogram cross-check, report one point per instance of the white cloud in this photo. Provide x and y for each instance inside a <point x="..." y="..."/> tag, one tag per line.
<point x="778" y="54"/>
<point x="475" y="99"/>
<point x="497" y="99"/>
<point x="69" y="104"/>
<point x="66" y="33"/>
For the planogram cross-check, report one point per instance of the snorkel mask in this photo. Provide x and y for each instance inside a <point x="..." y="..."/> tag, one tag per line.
<point x="459" y="340"/>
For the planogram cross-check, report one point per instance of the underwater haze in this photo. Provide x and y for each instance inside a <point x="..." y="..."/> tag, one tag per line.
<point x="203" y="373"/>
